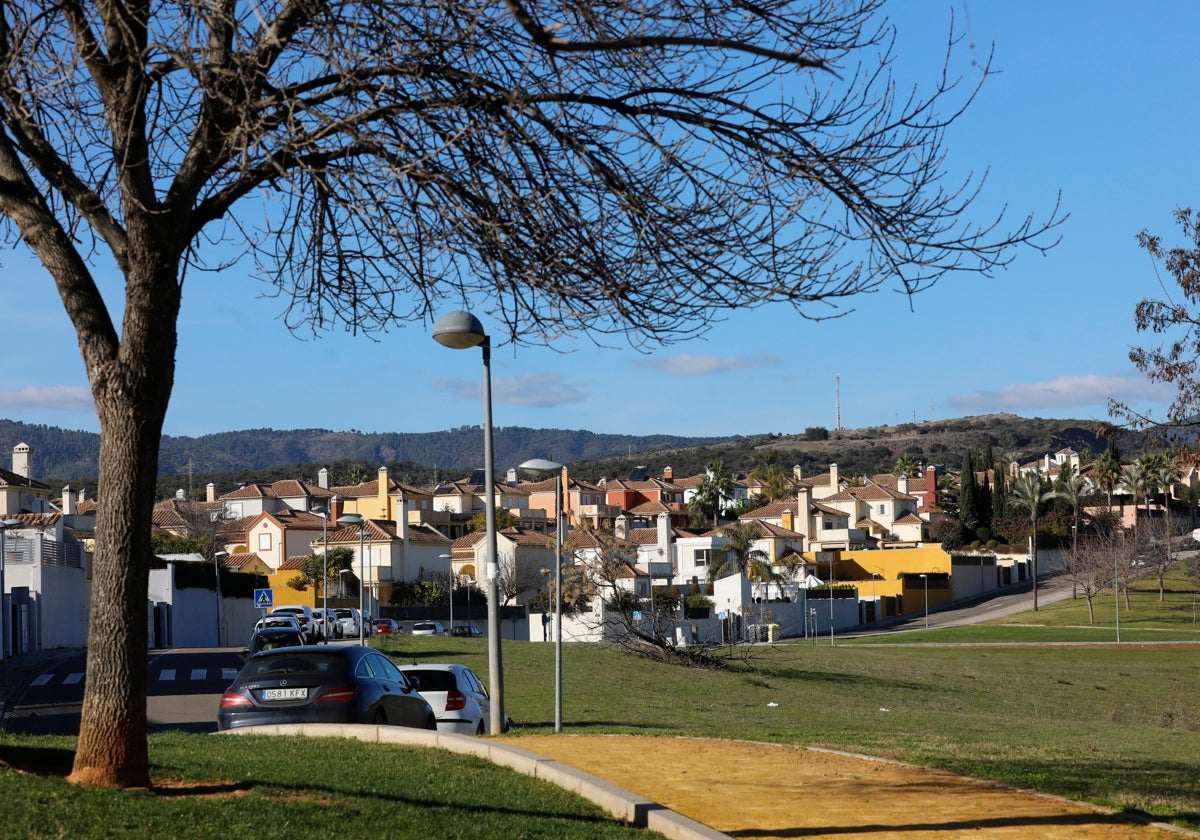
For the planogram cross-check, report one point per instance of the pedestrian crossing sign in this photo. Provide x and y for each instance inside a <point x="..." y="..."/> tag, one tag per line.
<point x="264" y="599"/>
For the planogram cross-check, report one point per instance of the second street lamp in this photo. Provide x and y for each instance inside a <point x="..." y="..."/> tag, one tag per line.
<point x="355" y="519"/>
<point x="542" y="465"/>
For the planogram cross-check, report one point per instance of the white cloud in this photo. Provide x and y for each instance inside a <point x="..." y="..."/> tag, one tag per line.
<point x="691" y="365"/>
<point x="537" y="390"/>
<point x="1063" y="392"/>
<point x="59" y="397"/>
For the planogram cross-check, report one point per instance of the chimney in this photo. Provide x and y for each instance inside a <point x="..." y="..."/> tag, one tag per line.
<point x="335" y="509"/>
<point x="210" y="492"/>
<point x="788" y="520"/>
<point x="902" y="483"/>
<point x="180" y="495"/>
<point x="511" y="479"/>
<point x="68" y="501"/>
<point x="621" y="527"/>
<point x="21" y="457"/>
<point x="402" y="518"/>
<point x="382" y="490"/>
<point x="323" y="478"/>
<point x="803" y="510"/>
<point x="833" y="478"/>
<point x="668" y="474"/>
<point x="664" y="532"/>
<point x="796" y="472"/>
<point x="931" y="491"/>
<point x="1046" y="462"/>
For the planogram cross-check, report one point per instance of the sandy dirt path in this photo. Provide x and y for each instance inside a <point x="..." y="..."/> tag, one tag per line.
<point x="768" y="791"/>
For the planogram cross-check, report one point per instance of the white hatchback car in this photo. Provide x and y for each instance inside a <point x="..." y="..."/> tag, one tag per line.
<point x="428" y="628"/>
<point x="458" y="697"/>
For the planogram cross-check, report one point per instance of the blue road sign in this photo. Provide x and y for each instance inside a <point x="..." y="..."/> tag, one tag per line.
<point x="264" y="599"/>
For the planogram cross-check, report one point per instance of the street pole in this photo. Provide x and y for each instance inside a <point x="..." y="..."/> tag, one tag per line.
<point x="356" y="519"/>
<point x="4" y="526"/>
<point x="461" y="330"/>
<point x="217" y="555"/>
<point x="542" y="465"/>
<point x="926" y="579"/>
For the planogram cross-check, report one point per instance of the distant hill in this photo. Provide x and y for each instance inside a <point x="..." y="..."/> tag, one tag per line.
<point x="266" y="455"/>
<point x="60" y="455"/>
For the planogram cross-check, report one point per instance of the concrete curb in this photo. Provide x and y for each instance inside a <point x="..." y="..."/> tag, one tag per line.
<point x="634" y="809"/>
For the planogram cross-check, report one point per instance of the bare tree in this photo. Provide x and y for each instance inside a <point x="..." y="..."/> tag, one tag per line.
<point x="633" y="171"/>
<point x="1099" y="559"/>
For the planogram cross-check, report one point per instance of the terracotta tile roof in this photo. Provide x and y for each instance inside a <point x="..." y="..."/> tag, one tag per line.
<point x="292" y="487"/>
<point x="772" y="510"/>
<point x="374" y="530"/>
<point x="238" y="560"/>
<point x="650" y="509"/>
<point x="467" y="541"/>
<point x="293" y="563"/>
<point x="87" y="506"/>
<point x="251" y="491"/>
<point x="830" y="511"/>
<point x="38" y="520"/>
<point x="426" y="534"/>
<point x="909" y="518"/>
<point x="12" y="479"/>
<point x="535" y="539"/>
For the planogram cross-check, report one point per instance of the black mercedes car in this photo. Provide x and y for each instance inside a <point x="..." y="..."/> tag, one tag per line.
<point x="322" y="684"/>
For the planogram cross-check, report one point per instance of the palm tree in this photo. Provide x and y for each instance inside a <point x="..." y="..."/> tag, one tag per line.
<point x="713" y="490"/>
<point x="906" y="465"/>
<point x="744" y="557"/>
<point x="1107" y="471"/>
<point x="1164" y="475"/>
<point x="1071" y="487"/>
<point x="1030" y="493"/>
<point x="1137" y="480"/>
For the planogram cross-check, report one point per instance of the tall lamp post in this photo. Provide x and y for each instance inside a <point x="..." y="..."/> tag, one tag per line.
<point x="926" y="579"/>
<point x="5" y="525"/>
<point x="217" y="555"/>
<point x="355" y="519"/>
<point x="323" y="512"/>
<point x="450" y="558"/>
<point x="542" y="465"/>
<point x="460" y="330"/>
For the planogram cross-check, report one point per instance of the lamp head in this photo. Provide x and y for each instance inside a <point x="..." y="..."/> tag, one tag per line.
<point x="540" y="465"/>
<point x="459" y="330"/>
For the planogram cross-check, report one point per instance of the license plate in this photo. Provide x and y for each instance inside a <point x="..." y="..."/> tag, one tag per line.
<point x="285" y="693"/>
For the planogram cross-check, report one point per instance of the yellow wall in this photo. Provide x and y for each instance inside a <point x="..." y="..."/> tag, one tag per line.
<point x="857" y="566"/>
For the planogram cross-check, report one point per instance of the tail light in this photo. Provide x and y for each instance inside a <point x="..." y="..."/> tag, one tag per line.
<point x="455" y="700"/>
<point x="339" y="694"/>
<point x="231" y="699"/>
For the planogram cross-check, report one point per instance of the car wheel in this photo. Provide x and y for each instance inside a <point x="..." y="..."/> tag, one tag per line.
<point x="431" y="722"/>
<point x="380" y="718"/>
<point x="479" y="730"/>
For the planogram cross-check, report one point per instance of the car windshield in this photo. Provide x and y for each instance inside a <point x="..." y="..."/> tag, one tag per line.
<point x="423" y="627"/>
<point x="292" y="663"/>
<point x="432" y="680"/>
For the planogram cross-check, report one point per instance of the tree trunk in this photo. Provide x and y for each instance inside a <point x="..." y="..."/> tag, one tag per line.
<point x="131" y="389"/>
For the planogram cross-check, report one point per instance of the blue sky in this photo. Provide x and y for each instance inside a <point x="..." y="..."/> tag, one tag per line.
<point x="1089" y="99"/>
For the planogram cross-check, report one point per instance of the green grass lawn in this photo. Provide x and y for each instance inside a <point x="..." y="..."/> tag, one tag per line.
<point x="1117" y="725"/>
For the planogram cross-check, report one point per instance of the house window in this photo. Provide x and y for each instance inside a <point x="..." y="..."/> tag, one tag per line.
<point x="641" y="587"/>
<point x="882" y="510"/>
<point x="700" y="557"/>
<point x="827" y="524"/>
<point x="264" y="542"/>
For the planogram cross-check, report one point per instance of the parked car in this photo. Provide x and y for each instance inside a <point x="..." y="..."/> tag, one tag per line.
<point x="347" y="620"/>
<point x="327" y="624"/>
<point x="469" y="631"/>
<point x="428" y="628"/>
<point x="387" y="626"/>
<point x="457" y="695"/>
<point x="283" y="621"/>
<point x="304" y="614"/>
<point x="270" y="638"/>
<point x="322" y="684"/>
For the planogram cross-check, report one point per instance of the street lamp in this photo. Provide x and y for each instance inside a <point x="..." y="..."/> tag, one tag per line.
<point x="450" y="557"/>
<point x="323" y="512"/>
<point x="542" y="465"/>
<point x="355" y="519"/>
<point x="460" y="330"/>
<point x="874" y="600"/>
<point x="926" y="579"/>
<point x="5" y="525"/>
<point x="217" y="555"/>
